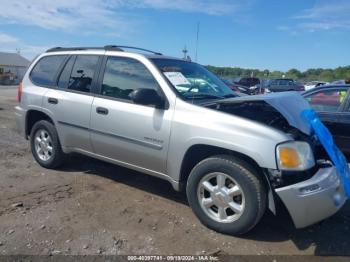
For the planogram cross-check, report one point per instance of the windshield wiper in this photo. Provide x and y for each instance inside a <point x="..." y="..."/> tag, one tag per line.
<point x="203" y="96"/>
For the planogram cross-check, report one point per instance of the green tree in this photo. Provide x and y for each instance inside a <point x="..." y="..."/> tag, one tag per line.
<point x="320" y="74"/>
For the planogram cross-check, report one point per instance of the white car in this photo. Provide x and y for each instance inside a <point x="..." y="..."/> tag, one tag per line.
<point x="314" y="84"/>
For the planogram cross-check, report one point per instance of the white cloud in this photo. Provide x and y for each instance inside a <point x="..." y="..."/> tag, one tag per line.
<point x="105" y="18"/>
<point x="210" y="7"/>
<point x="13" y="44"/>
<point x="330" y="15"/>
<point x="330" y="9"/>
<point x="7" y="39"/>
<point x="63" y="14"/>
<point x="96" y="15"/>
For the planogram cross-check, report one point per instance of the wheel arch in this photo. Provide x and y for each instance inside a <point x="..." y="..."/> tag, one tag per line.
<point x="198" y="152"/>
<point x="33" y="116"/>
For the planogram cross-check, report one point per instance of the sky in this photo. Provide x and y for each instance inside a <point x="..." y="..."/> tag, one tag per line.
<point x="270" y="34"/>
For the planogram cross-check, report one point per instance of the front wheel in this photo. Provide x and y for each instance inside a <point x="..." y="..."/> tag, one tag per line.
<point x="226" y="194"/>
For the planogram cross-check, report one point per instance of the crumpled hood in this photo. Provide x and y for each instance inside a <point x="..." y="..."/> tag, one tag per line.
<point x="274" y="109"/>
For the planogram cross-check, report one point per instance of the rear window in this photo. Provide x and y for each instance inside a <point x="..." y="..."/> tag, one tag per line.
<point x="45" y="71"/>
<point x="82" y="73"/>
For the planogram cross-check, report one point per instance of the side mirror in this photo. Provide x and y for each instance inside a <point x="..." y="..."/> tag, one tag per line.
<point x="144" y="96"/>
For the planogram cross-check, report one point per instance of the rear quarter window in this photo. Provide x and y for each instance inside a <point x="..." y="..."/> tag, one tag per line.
<point x="46" y="69"/>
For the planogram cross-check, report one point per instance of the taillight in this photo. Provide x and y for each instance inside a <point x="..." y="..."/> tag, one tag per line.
<point x="19" y="93"/>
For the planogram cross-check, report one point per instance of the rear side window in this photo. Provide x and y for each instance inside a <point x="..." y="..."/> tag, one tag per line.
<point x="45" y="71"/>
<point x="82" y="73"/>
<point x="66" y="72"/>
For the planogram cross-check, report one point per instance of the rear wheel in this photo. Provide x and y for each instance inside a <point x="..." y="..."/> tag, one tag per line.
<point x="226" y="194"/>
<point x="45" y="145"/>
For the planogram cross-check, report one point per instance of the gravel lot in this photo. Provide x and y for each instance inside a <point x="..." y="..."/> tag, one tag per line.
<point x="91" y="207"/>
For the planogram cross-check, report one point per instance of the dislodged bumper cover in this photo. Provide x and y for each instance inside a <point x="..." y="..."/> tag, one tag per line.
<point x="315" y="199"/>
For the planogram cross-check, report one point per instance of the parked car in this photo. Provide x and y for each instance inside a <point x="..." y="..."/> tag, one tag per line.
<point x="338" y="82"/>
<point x="284" y="84"/>
<point x="247" y="88"/>
<point x="314" y="84"/>
<point x="236" y="88"/>
<point x="333" y="106"/>
<point x="253" y="85"/>
<point x="234" y="156"/>
<point x="247" y="81"/>
<point x="341" y="82"/>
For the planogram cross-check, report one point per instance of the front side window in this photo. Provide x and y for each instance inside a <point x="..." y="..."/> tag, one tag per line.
<point x="193" y="81"/>
<point x="45" y="71"/>
<point x="124" y="75"/>
<point x="82" y="73"/>
<point x="327" y="100"/>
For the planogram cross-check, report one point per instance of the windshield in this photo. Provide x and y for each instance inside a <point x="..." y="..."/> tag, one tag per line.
<point x="193" y="81"/>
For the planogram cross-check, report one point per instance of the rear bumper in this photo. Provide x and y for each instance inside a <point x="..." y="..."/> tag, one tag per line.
<point x="20" y="121"/>
<point x="315" y="199"/>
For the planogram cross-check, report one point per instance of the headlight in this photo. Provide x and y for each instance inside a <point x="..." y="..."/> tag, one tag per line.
<point x="295" y="155"/>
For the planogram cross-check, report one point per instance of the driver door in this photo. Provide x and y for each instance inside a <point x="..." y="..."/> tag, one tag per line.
<point x="131" y="134"/>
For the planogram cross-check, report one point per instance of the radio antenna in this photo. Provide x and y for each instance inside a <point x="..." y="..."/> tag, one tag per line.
<point x="196" y="57"/>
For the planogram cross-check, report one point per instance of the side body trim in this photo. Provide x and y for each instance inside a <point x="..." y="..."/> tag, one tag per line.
<point x="128" y="139"/>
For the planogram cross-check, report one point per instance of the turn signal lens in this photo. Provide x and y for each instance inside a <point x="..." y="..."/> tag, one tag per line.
<point x="289" y="157"/>
<point x="295" y="155"/>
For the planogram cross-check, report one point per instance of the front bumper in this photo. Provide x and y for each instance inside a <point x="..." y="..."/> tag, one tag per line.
<point x="315" y="199"/>
<point x="20" y="120"/>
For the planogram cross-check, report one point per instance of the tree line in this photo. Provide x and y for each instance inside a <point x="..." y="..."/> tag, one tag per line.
<point x="319" y="74"/>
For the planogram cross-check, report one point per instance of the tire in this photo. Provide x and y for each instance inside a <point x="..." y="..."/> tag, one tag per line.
<point x="249" y="206"/>
<point x="55" y="156"/>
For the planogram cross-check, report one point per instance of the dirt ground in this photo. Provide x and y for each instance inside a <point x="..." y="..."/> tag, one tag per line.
<point x="91" y="207"/>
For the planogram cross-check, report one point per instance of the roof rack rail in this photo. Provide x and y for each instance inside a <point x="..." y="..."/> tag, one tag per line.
<point x="107" y="47"/>
<point x="131" y="47"/>
<point x="58" y="48"/>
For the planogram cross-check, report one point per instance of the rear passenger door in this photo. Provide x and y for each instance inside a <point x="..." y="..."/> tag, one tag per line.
<point x="70" y="101"/>
<point x="132" y="134"/>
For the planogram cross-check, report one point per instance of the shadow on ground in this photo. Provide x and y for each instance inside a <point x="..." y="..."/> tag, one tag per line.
<point x="157" y="186"/>
<point x="329" y="237"/>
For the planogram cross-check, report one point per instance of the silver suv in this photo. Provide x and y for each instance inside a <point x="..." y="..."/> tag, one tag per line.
<point x="236" y="156"/>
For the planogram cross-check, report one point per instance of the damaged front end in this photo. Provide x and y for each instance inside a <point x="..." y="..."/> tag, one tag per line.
<point x="311" y="193"/>
<point x="280" y="111"/>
